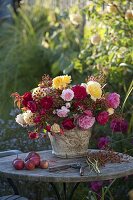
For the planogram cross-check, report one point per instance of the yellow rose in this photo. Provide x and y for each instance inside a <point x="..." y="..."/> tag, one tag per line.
<point x="55" y="128"/>
<point x="61" y="82"/>
<point x="66" y="79"/>
<point x="110" y="111"/>
<point x="94" y="89"/>
<point x="57" y="82"/>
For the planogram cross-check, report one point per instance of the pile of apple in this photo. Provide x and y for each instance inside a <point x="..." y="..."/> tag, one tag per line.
<point x="30" y="162"/>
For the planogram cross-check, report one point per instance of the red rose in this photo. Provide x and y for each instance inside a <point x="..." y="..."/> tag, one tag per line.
<point x="68" y="124"/>
<point x="42" y="112"/>
<point x="48" y="127"/>
<point x="79" y="92"/>
<point x="46" y="102"/>
<point x="26" y="98"/>
<point x="78" y="105"/>
<point x="33" y="135"/>
<point x="103" y="118"/>
<point x="37" y="119"/>
<point x="31" y="105"/>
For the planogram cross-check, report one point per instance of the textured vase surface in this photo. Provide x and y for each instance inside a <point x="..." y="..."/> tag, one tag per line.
<point x="74" y="143"/>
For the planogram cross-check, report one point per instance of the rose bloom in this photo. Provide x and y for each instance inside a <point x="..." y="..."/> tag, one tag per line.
<point x="113" y="100"/>
<point x="61" y="82"/>
<point x="48" y="127"/>
<point x="68" y="105"/>
<point x="38" y="93"/>
<point x="33" y="135"/>
<point x="103" y="142"/>
<point x="31" y="105"/>
<point x="67" y="95"/>
<point x="79" y="92"/>
<point x="85" y="121"/>
<point x="63" y="112"/>
<point x="79" y="105"/>
<point x="26" y="98"/>
<point x="20" y="120"/>
<point x="46" y="102"/>
<point x="75" y="18"/>
<point x="55" y="128"/>
<point x="119" y="125"/>
<point x="94" y="89"/>
<point x="88" y="112"/>
<point x="68" y="123"/>
<point x="110" y="111"/>
<point x="37" y="119"/>
<point x="29" y="117"/>
<point x="102" y="117"/>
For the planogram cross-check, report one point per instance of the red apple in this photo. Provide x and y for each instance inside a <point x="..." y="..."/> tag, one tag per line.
<point x="35" y="160"/>
<point x="29" y="165"/>
<point x="15" y="160"/>
<point x="44" y="164"/>
<point x="32" y="154"/>
<point x="18" y="164"/>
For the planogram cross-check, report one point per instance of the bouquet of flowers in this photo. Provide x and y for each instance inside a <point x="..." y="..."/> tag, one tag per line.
<point x="56" y="106"/>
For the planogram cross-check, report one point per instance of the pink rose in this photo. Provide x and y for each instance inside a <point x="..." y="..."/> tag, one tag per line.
<point x="85" y="121"/>
<point x="88" y="112"/>
<point x="67" y="95"/>
<point x="63" y="112"/>
<point x="113" y="100"/>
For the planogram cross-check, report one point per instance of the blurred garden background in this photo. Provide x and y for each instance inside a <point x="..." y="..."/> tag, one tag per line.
<point x="80" y="38"/>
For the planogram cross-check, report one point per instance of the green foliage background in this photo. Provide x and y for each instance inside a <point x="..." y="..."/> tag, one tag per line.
<point x="42" y="40"/>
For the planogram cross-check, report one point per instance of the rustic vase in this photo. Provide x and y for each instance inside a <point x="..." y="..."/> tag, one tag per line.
<point x="74" y="143"/>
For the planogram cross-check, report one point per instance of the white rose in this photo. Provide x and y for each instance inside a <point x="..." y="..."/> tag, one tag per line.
<point x="20" y="120"/>
<point x="129" y="14"/>
<point x="111" y="8"/>
<point x="110" y="111"/>
<point x="95" y="39"/>
<point x="55" y="128"/>
<point x="76" y="19"/>
<point x="29" y="117"/>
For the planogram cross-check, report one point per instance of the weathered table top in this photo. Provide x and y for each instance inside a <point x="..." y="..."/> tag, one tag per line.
<point x="110" y="171"/>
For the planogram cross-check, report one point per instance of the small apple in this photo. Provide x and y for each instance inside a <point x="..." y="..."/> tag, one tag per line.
<point x="32" y="154"/>
<point x="29" y="165"/>
<point x="16" y="160"/>
<point x="18" y="164"/>
<point x="44" y="164"/>
<point x="35" y="160"/>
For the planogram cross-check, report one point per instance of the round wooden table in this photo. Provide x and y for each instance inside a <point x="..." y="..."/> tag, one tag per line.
<point x="40" y="176"/>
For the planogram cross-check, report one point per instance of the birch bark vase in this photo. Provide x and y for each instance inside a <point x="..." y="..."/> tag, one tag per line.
<point x="74" y="143"/>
